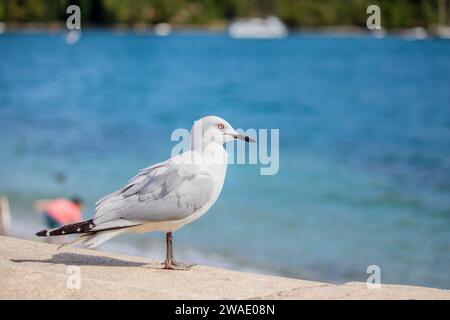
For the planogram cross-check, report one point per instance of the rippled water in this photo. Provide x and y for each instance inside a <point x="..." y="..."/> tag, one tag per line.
<point x="364" y="143"/>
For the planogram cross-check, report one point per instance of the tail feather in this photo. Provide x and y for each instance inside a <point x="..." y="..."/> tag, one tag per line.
<point x="92" y="240"/>
<point x="80" y="227"/>
<point x="101" y="237"/>
<point x="90" y="234"/>
<point x="81" y="239"/>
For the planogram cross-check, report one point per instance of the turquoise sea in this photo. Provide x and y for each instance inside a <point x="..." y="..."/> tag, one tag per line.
<point x="364" y="175"/>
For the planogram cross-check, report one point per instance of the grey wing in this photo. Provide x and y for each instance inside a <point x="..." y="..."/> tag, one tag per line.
<point x="163" y="192"/>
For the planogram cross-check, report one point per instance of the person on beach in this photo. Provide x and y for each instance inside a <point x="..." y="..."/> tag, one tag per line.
<point x="60" y="211"/>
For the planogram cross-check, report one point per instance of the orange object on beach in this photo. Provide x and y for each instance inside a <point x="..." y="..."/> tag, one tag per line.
<point x="64" y="211"/>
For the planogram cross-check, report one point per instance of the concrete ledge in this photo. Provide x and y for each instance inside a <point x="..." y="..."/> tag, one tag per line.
<point x="36" y="270"/>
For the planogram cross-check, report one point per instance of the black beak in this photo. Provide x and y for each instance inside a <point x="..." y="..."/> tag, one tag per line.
<point x="245" y="138"/>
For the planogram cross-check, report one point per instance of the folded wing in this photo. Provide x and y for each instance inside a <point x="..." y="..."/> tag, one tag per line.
<point x="166" y="191"/>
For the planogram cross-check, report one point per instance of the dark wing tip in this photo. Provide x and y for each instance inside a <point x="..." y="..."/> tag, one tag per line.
<point x="42" y="233"/>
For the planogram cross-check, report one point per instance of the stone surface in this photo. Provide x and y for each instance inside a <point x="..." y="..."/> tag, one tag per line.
<point x="36" y="270"/>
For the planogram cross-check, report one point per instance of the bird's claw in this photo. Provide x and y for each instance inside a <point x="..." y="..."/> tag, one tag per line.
<point x="174" y="265"/>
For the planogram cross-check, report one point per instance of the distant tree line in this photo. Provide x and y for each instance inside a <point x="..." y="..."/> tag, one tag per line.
<point x="296" y="13"/>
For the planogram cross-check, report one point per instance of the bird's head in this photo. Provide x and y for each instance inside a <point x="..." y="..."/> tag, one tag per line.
<point x="214" y="129"/>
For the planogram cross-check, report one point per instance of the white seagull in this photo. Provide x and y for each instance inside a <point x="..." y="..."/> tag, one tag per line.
<point x="165" y="196"/>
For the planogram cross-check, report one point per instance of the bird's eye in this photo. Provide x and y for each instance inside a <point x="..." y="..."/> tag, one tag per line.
<point x="221" y="126"/>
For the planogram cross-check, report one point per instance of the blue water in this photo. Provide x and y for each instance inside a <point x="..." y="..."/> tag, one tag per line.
<point x="364" y="125"/>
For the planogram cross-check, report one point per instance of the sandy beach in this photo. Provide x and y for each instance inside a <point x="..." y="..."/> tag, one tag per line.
<point x="36" y="270"/>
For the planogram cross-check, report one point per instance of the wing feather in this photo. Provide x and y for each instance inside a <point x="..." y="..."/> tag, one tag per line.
<point x="164" y="192"/>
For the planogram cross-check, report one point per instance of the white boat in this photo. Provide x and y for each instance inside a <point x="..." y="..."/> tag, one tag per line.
<point x="258" y="28"/>
<point x="418" y="33"/>
<point x="378" y="33"/>
<point x="73" y="36"/>
<point x="162" y="29"/>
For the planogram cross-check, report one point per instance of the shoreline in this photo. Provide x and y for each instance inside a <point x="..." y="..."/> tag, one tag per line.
<point x="218" y="28"/>
<point x="36" y="270"/>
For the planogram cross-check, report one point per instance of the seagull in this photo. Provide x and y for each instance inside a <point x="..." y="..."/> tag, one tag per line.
<point x="165" y="196"/>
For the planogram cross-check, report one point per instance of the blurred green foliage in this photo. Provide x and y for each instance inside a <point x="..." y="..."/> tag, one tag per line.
<point x="395" y="13"/>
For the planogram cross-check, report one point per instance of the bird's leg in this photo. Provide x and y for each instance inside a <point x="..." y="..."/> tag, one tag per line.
<point x="169" y="249"/>
<point x="170" y="262"/>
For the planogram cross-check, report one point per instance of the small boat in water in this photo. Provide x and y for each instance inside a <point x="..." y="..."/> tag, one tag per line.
<point x="258" y="28"/>
<point x="72" y="37"/>
<point x="162" y="29"/>
<point x="415" y="34"/>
